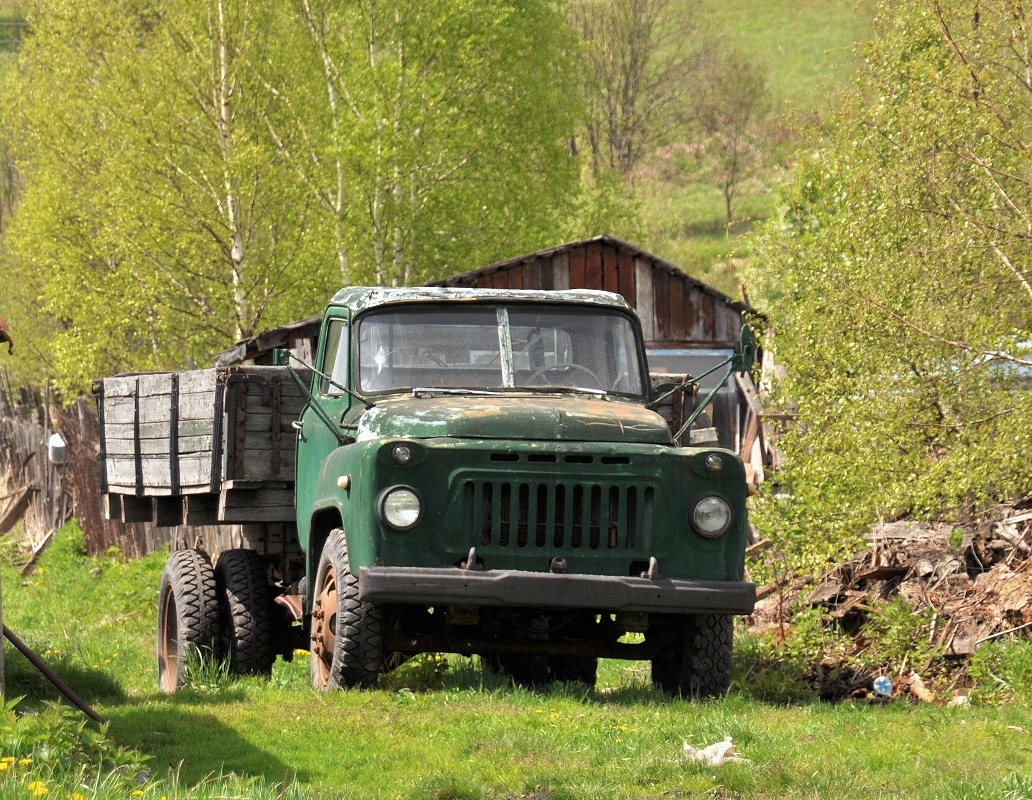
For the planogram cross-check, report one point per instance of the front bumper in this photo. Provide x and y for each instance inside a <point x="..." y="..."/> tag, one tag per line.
<point x="516" y="589"/>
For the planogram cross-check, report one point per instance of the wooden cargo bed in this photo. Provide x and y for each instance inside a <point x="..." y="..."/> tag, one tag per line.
<point x="200" y="447"/>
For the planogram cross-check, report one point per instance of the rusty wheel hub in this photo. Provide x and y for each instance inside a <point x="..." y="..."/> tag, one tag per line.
<point x="324" y="629"/>
<point x="168" y="644"/>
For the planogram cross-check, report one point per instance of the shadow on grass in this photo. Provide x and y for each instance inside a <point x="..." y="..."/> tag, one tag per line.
<point x="195" y="745"/>
<point x="24" y="680"/>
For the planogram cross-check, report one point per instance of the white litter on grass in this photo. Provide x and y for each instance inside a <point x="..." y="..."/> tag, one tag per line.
<point x="715" y="754"/>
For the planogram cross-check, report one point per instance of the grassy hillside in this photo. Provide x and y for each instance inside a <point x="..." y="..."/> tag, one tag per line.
<point x="440" y="728"/>
<point x="808" y="49"/>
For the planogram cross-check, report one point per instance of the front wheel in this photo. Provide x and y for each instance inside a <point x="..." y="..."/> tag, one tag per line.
<point x="347" y="634"/>
<point x="695" y="657"/>
<point x="188" y="617"/>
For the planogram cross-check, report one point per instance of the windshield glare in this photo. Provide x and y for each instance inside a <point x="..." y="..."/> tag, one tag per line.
<point x="498" y="347"/>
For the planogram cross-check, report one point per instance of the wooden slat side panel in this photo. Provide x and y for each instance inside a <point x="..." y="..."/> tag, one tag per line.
<point x="261" y="403"/>
<point x="260" y="505"/>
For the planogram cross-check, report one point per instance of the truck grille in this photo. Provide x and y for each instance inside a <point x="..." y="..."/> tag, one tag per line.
<point x="548" y="515"/>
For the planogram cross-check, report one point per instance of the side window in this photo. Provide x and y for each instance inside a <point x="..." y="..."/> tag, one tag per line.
<point x="335" y="358"/>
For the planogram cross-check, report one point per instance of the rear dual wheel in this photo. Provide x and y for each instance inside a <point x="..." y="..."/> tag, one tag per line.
<point x="246" y="612"/>
<point x="694" y="659"/>
<point x="211" y="616"/>
<point x="188" y="618"/>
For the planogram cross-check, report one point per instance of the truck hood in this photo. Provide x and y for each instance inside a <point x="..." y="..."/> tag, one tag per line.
<point x="546" y="418"/>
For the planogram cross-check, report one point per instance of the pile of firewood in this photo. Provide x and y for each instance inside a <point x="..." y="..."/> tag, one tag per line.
<point x="974" y="582"/>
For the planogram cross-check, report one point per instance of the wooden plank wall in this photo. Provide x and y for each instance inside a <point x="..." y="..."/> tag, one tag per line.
<point x="672" y="308"/>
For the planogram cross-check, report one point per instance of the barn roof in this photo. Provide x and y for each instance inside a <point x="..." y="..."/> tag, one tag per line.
<point x="655" y="261"/>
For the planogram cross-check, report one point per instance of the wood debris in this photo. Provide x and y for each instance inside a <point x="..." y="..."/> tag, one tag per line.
<point x="974" y="582"/>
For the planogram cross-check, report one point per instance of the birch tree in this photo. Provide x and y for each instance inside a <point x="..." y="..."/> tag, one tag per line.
<point x="438" y="137"/>
<point x="900" y="281"/>
<point x="158" y="224"/>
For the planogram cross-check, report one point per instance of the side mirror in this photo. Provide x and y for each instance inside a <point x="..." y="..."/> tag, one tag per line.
<point x="746" y="356"/>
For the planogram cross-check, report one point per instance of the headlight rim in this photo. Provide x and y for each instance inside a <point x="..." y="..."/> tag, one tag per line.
<point x="385" y="495"/>
<point x="698" y="528"/>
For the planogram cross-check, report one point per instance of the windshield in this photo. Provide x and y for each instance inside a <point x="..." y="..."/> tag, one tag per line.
<point x="489" y="347"/>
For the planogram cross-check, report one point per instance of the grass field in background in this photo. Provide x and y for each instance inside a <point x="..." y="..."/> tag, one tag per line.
<point x="441" y="729"/>
<point x="809" y="49"/>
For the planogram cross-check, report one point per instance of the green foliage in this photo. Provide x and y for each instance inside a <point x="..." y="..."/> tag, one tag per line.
<point x="246" y="159"/>
<point x="1002" y="670"/>
<point x="900" y="279"/>
<point x="897" y="638"/>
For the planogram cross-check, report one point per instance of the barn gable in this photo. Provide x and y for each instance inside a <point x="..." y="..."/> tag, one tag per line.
<point x="675" y="308"/>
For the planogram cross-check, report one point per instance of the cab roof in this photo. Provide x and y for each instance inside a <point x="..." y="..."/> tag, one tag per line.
<point x="360" y="298"/>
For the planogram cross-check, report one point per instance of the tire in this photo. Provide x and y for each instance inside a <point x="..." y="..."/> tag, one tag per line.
<point x="188" y="617"/>
<point x="347" y="634"/>
<point x="528" y="671"/>
<point x="574" y="669"/>
<point x="245" y="611"/>
<point x="694" y="659"/>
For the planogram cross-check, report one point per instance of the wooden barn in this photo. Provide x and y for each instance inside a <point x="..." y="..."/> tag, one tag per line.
<point x="689" y="327"/>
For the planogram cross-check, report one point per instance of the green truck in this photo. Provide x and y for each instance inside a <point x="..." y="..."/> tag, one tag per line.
<point x="473" y="471"/>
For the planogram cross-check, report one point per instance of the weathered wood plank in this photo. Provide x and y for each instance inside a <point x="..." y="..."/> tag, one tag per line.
<point x="578" y="278"/>
<point x="561" y="271"/>
<point x="610" y="271"/>
<point x="677" y="316"/>
<point x="661" y="304"/>
<point x="645" y="296"/>
<point x="258" y="505"/>
<point x="626" y="277"/>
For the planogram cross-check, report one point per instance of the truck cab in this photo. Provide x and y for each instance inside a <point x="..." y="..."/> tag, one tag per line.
<point x="479" y="471"/>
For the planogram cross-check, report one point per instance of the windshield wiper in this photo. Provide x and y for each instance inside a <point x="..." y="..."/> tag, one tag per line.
<point x="424" y="390"/>
<point x="546" y="389"/>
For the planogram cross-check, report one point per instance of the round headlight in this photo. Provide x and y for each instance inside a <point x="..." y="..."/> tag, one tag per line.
<point x="711" y="516"/>
<point x="714" y="463"/>
<point x="400" y="508"/>
<point x="402" y="454"/>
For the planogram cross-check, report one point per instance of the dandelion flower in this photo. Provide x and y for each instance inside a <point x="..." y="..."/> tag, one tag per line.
<point x="24" y="762"/>
<point x="4" y="765"/>
<point x="38" y="789"/>
<point x="137" y="792"/>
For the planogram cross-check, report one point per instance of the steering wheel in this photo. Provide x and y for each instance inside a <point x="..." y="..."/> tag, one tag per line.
<point x="421" y="352"/>
<point x="543" y="373"/>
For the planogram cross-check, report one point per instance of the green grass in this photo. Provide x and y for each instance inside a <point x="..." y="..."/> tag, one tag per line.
<point x="809" y="49"/>
<point x="807" y="46"/>
<point x="469" y="736"/>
